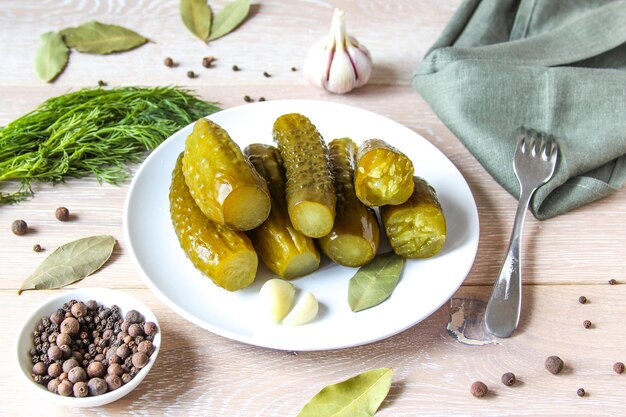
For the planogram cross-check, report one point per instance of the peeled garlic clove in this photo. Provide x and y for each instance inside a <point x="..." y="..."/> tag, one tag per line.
<point x="276" y="298"/>
<point x="338" y="63"/>
<point x="304" y="311"/>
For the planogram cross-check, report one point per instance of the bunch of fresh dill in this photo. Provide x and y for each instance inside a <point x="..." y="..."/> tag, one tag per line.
<point x="91" y="131"/>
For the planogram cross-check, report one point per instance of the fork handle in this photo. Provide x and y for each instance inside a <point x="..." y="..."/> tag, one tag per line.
<point x="503" y="310"/>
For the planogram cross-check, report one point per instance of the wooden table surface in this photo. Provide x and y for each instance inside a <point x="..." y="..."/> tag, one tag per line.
<point x="435" y="362"/>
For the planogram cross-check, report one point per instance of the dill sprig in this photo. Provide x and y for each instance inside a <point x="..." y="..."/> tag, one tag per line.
<point x="92" y="131"/>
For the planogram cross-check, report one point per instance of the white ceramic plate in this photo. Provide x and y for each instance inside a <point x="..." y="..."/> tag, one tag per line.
<point x="424" y="286"/>
<point x="104" y="296"/>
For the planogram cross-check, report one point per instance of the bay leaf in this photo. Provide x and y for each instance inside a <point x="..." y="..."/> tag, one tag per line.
<point x="51" y="56"/>
<point x="359" y="396"/>
<point x="101" y="38"/>
<point x="196" y="15"/>
<point x="373" y="283"/>
<point x="70" y="262"/>
<point x="229" y="18"/>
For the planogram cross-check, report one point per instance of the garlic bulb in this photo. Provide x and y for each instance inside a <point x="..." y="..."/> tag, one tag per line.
<point x="338" y="63"/>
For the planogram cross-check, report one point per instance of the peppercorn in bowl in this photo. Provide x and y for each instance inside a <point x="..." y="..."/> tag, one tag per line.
<point x="88" y="347"/>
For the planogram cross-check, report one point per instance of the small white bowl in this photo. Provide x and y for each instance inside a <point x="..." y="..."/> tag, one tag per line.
<point x="105" y="297"/>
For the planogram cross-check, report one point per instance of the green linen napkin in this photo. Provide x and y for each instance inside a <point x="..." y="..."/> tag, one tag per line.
<point x="551" y="65"/>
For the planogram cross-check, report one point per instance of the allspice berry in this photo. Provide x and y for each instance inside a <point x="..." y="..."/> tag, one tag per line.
<point x="65" y="388"/>
<point x="150" y="328"/>
<point x="140" y="360"/>
<point x="80" y="389"/>
<point x="62" y="214"/>
<point x="580" y="392"/>
<point x="113" y="382"/>
<point x="479" y="389"/>
<point x="57" y="317"/>
<point x="79" y="310"/>
<point x="135" y="330"/>
<point x="55" y="370"/>
<point x="126" y="378"/>
<point x="70" y="326"/>
<point x="168" y="62"/>
<point x="97" y="386"/>
<point x="77" y="374"/>
<point x="123" y="351"/>
<point x="115" y="369"/>
<point x="55" y="353"/>
<point x="69" y="364"/>
<point x="63" y="339"/>
<point x="554" y="364"/>
<point x="96" y="369"/>
<point x="40" y="368"/>
<point x="133" y="316"/>
<point x="618" y="367"/>
<point x="146" y="347"/>
<point x="19" y="227"/>
<point x="53" y="385"/>
<point x="509" y="379"/>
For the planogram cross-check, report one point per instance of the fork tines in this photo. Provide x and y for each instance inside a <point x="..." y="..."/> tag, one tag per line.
<point x="537" y="143"/>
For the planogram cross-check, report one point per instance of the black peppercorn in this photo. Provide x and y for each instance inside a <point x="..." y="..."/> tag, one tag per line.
<point x="108" y="334"/>
<point x="580" y="392"/>
<point x="113" y="382"/>
<point x="101" y="83"/>
<point x="247" y="99"/>
<point x="207" y="61"/>
<point x="169" y="62"/>
<point x="236" y="68"/>
<point x="37" y="248"/>
<point x="66" y="350"/>
<point x="140" y="360"/>
<point x="191" y="74"/>
<point x="618" y="367"/>
<point x="587" y="324"/>
<point x="582" y="299"/>
<point x="294" y="69"/>
<point x="97" y="386"/>
<point x="612" y="281"/>
<point x="479" y="389"/>
<point x="509" y="379"/>
<point x="62" y="214"/>
<point x="96" y="369"/>
<point x="77" y="374"/>
<point x="80" y="389"/>
<point x="267" y="74"/>
<point x="261" y="98"/>
<point x="79" y="310"/>
<point x="554" y="364"/>
<point x="19" y="227"/>
<point x="65" y="388"/>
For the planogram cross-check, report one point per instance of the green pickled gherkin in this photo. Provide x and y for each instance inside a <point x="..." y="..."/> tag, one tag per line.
<point x="221" y="180"/>
<point x="384" y="175"/>
<point x="310" y="190"/>
<point x="284" y="250"/>
<point x="224" y="255"/>
<point x="353" y="240"/>
<point x="416" y="228"/>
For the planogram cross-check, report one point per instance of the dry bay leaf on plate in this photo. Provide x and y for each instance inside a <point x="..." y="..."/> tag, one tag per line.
<point x="51" y="56"/>
<point x="373" y="283"/>
<point x="359" y="396"/>
<point x="70" y="262"/>
<point x="101" y="38"/>
<point x="227" y="19"/>
<point x="196" y="15"/>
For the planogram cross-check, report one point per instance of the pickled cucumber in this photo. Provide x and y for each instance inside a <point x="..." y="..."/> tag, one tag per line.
<point x="353" y="240"/>
<point x="224" y="255"/>
<point x="284" y="250"/>
<point x="221" y="180"/>
<point x="416" y="228"/>
<point x="384" y="175"/>
<point x="310" y="189"/>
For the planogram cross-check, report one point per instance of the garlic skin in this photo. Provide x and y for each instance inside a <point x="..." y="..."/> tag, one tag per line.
<point x="338" y="63"/>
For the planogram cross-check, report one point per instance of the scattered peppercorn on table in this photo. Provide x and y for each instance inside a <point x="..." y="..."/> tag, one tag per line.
<point x="569" y="308"/>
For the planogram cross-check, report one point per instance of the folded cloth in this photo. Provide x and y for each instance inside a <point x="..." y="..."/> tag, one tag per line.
<point x="555" y="66"/>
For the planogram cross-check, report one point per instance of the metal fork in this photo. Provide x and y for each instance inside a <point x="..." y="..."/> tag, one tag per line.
<point x="535" y="159"/>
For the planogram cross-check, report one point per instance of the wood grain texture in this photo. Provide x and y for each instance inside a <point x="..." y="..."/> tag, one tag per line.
<point x="199" y="373"/>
